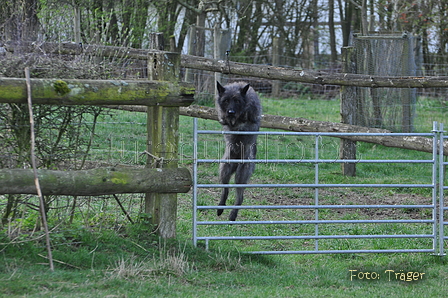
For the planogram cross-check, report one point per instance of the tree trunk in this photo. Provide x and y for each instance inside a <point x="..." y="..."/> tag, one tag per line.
<point x="333" y="51"/>
<point x="20" y="20"/>
<point x="345" y="15"/>
<point x="76" y="22"/>
<point x="245" y="34"/>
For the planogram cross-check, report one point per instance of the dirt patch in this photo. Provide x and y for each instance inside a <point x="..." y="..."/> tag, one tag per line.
<point x="328" y="196"/>
<point x="356" y="197"/>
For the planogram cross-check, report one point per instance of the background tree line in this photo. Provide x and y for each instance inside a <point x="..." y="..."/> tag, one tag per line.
<point x="306" y="28"/>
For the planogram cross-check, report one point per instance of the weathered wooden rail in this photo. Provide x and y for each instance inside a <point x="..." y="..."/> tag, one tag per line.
<point x="95" y="182"/>
<point x="244" y="69"/>
<point x="97" y="92"/>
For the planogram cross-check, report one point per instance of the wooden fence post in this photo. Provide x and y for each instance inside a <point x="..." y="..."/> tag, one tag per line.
<point x="189" y="74"/>
<point x="276" y="62"/>
<point x="221" y="44"/>
<point x="348" y="111"/>
<point x="163" y="139"/>
<point x="408" y="94"/>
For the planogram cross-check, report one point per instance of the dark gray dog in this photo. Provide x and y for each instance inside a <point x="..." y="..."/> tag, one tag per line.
<point x="239" y="109"/>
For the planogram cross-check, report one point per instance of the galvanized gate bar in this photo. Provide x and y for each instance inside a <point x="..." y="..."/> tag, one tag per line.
<point x="316" y="185"/>
<point x="317" y="207"/>
<point x="442" y="187"/>
<point x="318" y="134"/>
<point x="340" y="251"/>
<point x="436" y="221"/>
<point x="312" y="237"/>
<point x="311" y="161"/>
<point x="315" y="221"/>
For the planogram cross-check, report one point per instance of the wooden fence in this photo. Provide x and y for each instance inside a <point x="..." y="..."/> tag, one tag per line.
<point x="346" y="79"/>
<point x="244" y="69"/>
<point x="162" y="94"/>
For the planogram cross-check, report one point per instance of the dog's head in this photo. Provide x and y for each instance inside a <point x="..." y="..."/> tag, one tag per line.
<point x="232" y="103"/>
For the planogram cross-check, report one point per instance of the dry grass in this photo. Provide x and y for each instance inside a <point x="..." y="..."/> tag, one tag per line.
<point x="169" y="262"/>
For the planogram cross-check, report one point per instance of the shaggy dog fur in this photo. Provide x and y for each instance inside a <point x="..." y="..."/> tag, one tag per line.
<point x="239" y="109"/>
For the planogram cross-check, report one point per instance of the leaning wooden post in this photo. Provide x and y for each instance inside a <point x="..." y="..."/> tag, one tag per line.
<point x="276" y="62"/>
<point x="221" y="44"/>
<point x="163" y="139"/>
<point x="348" y="111"/>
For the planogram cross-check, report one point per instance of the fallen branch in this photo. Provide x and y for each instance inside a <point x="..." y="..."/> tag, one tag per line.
<point x="305" y="125"/>
<point x="60" y="262"/>
<point x="123" y="209"/>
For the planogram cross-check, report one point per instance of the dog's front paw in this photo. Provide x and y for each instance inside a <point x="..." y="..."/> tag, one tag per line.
<point x="219" y="211"/>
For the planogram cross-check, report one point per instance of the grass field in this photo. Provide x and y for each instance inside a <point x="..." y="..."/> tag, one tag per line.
<point x="100" y="254"/>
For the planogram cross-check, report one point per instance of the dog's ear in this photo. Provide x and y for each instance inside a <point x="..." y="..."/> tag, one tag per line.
<point x="244" y="90"/>
<point x="221" y="89"/>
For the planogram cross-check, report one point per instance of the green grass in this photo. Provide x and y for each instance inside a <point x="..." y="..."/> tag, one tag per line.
<point x="118" y="267"/>
<point x="101" y="255"/>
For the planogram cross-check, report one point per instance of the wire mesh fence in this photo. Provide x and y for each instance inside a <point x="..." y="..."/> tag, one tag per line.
<point x="390" y="108"/>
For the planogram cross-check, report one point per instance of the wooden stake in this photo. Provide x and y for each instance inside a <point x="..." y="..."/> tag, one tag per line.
<point x="36" y="178"/>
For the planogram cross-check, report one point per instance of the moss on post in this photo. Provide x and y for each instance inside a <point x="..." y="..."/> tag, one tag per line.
<point x="163" y="140"/>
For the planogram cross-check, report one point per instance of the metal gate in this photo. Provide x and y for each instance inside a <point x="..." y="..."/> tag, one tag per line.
<point x="426" y="234"/>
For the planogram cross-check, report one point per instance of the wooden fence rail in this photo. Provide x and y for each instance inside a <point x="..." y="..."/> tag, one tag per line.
<point x="94" y="182"/>
<point x="97" y="92"/>
<point x="244" y="69"/>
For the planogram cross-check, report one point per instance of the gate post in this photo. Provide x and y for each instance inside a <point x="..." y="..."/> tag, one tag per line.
<point x="348" y="112"/>
<point x="163" y="138"/>
<point x="441" y="184"/>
